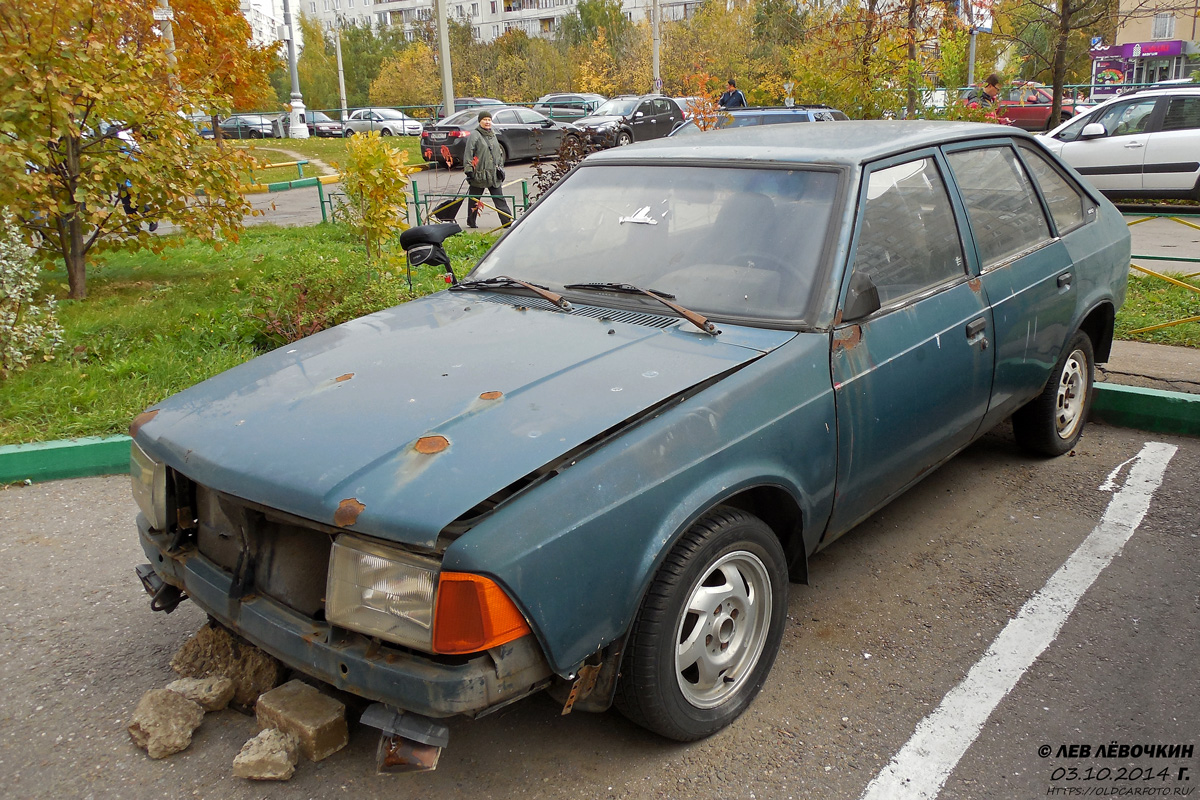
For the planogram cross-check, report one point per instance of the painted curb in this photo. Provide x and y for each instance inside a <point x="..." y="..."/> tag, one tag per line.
<point x="1151" y="410"/>
<point x="64" y="458"/>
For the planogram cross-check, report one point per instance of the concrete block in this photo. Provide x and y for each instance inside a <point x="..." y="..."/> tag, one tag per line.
<point x="212" y="694"/>
<point x="163" y="722"/>
<point x="270" y="756"/>
<point x="214" y="651"/>
<point x="316" y="720"/>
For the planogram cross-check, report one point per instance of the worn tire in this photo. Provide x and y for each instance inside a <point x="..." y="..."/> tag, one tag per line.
<point x="723" y="588"/>
<point x="624" y="138"/>
<point x="1052" y="422"/>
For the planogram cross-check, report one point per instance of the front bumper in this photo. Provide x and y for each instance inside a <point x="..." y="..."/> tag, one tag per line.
<point x="354" y="663"/>
<point x="602" y="137"/>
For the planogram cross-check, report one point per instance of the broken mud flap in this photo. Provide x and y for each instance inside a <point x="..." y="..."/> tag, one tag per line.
<point x="163" y="596"/>
<point x="409" y="742"/>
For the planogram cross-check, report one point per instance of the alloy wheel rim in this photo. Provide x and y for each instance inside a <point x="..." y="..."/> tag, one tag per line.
<point x="1069" y="400"/>
<point x="722" y="629"/>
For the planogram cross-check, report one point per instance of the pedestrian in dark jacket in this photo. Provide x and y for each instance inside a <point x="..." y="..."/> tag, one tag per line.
<point x="733" y="98"/>
<point x="483" y="163"/>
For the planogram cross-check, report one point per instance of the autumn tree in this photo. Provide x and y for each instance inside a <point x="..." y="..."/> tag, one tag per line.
<point x="406" y="79"/>
<point x="94" y="143"/>
<point x="214" y="47"/>
<point x="316" y="66"/>
<point x="365" y="48"/>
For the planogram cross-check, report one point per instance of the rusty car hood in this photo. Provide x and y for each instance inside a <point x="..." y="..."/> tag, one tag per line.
<point x="397" y="423"/>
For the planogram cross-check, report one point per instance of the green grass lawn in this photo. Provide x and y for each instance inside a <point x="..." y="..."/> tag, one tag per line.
<point x="153" y="325"/>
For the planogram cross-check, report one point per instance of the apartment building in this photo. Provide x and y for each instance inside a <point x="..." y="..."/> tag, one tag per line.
<point x="265" y="17"/>
<point x="1156" y="41"/>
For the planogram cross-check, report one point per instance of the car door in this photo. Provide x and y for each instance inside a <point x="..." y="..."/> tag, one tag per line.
<point x="1113" y="162"/>
<point x="911" y="378"/>
<point x="544" y="135"/>
<point x="642" y="121"/>
<point x="1020" y="104"/>
<point x="512" y="133"/>
<point x="1172" y="161"/>
<point x="1028" y="275"/>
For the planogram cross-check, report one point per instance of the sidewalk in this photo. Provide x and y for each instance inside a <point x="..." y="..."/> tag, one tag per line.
<point x="1152" y="366"/>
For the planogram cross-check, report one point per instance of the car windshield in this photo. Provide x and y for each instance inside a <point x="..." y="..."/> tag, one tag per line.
<point x="389" y="113"/>
<point x="739" y="242"/>
<point x="617" y="107"/>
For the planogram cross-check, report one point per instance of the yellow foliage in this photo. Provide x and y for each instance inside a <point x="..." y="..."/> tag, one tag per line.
<point x="375" y="179"/>
<point x="407" y="79"/>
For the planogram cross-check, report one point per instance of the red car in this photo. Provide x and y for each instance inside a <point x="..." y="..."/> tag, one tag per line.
<point x="1026" y="104"/>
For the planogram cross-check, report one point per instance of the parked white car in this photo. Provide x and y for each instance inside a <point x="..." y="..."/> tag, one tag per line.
<point x="1138" y="145"/>
<point x="388" y="121"/>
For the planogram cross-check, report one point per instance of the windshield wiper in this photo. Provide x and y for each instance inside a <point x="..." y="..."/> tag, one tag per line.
<point x="504" y="280"/>
<point x="698" y="320"/>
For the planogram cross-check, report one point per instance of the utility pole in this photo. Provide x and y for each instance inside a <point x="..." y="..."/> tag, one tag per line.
<point x="443" y="29"/>
<point x="654" y="32"/>
<point x="341" y="73"/>
<point x="163" y="15"/>
<point x="298" y="127"/>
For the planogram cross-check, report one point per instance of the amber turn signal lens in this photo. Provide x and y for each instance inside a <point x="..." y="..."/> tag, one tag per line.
<point x="473" y="614"/>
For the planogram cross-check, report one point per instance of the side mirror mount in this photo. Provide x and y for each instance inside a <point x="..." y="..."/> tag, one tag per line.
<point x="1093" y="130"/>
<point x="862" y="299"/>
<point x="638" y="115"/>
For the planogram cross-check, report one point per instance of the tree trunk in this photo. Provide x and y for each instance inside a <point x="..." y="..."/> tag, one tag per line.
<point x="1059" y="71"/>
<point x="217" y="137"/>
<point x="75" y="259"/>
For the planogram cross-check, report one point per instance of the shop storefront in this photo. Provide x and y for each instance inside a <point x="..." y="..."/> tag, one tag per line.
<point x="1117" y="67"/>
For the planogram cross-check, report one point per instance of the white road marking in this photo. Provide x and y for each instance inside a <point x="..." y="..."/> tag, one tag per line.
<point x="922" y="766"/>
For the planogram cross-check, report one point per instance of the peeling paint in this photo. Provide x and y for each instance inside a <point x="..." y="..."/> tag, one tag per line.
<point x="847" y="337"/>
<point x="491" y="395"/>
<point x="975" y="283"/>
<point x="345" y="377"/>
<point x="140" y="420"/>
<point x="347" y="512"/>
<point x="428" y="445"/>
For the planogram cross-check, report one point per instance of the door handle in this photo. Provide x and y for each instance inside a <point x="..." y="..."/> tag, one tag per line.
<point x="975" y="327"/>
<point x="1064" y="280"/>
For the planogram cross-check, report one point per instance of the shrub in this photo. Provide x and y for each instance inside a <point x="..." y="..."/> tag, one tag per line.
<point x="27" y="326"/>
<point x="375" y="180"/>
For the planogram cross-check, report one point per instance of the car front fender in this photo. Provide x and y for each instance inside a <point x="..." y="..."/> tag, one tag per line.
<point x="578" y="552"/>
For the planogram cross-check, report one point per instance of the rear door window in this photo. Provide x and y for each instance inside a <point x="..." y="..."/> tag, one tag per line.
<point x="909" y="242"/>
<point x="1068" y="205"/>
<point x="1183" y="113"/>
<point x="1003" y="207"/>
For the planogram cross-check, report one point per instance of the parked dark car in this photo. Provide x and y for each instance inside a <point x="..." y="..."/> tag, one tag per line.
<point x="252" y="126"/>
<point x="463" y="103"/>
<point x="631" y="118"/>
<point x="568" y="106"/>
<point x="764" y="115"/>
<point x="318" y="122"/>
<point x="522" y="132"/>
<point x="594" y="464"/>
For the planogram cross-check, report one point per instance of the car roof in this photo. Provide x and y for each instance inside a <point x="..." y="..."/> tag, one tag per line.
<point x="842" y="143"/>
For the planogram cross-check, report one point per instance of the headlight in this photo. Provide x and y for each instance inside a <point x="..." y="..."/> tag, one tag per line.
<point x="149" y="486"/>
<point x="381" y="591"/>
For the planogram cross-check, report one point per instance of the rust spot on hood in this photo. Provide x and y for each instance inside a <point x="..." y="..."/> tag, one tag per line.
<point x="491" y="395"/>
<point x="847" y="337"/>
<point x="347" y="512"/>
<point x="428" y="445"/>
<point x="140" y="420"/>
<point x="345" y="377"/>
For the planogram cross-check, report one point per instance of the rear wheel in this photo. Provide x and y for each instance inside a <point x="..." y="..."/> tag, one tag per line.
<point x="708" y="630"/>
<point x="503" y="154"/>
<point x="1052" y="422"/>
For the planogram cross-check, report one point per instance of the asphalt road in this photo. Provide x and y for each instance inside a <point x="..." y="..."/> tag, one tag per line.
<point x="897" y="614"/>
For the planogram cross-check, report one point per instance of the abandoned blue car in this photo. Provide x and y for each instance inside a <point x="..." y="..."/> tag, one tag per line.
<point x="595" y="465"/>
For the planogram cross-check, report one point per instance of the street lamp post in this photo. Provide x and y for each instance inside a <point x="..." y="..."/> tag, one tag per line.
<point x="298" y="127"/>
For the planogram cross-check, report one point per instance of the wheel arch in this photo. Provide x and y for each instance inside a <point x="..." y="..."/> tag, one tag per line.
<point x="1098" y="325"/>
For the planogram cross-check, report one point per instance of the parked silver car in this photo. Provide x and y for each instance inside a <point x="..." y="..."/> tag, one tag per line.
<point x="388" y="121"/>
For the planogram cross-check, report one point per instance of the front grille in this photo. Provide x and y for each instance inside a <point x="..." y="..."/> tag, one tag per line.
<point x="265" y="553"/>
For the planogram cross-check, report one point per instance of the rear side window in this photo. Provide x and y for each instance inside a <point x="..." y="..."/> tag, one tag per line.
<point x="1183" y="113"/>
<point x="908" y="241"/>
<point x="1066" y="203"/>
<point x="1005" y="214"/>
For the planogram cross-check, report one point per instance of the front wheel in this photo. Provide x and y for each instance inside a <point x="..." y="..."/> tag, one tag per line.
<point x="385" y="132"/>
<point x="624" y="138"/>
<point x="708" y="630"/>
<point x="1052" y="422"/>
